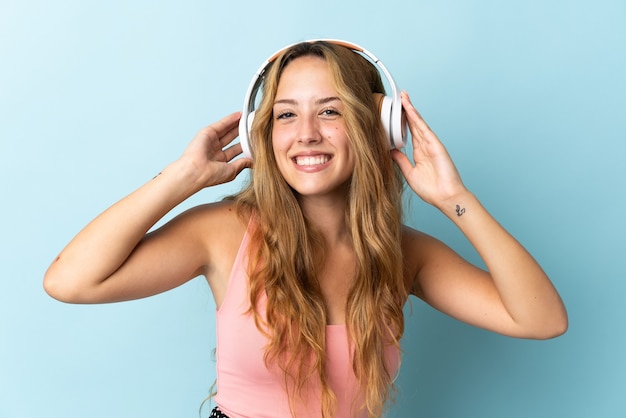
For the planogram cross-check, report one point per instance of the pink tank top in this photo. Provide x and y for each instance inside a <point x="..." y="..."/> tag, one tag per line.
<point x="246" y="388"/>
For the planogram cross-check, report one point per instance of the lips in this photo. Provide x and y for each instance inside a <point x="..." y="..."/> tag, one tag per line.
<point x="311" y="160"/>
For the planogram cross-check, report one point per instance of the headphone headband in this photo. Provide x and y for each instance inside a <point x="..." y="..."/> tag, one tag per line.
<point x="392" y="114"/>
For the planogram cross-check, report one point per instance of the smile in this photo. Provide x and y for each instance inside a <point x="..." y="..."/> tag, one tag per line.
<point x="312" y="160"/>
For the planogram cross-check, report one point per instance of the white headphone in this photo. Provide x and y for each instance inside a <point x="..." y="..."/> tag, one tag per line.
<point x="391" y="112"/>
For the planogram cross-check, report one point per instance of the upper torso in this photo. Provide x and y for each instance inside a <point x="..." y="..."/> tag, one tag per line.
<point x="225" y="233"/>
<point x="246" y="387"/>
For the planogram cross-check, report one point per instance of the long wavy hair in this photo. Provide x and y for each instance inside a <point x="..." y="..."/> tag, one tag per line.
<point x="286" y="252"/>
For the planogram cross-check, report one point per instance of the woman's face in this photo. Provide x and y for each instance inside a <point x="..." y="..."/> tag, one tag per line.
<point x="309" y="139"/>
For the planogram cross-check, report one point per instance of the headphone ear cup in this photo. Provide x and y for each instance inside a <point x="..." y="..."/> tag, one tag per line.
<point x="398" y="128"/>
<point x="245" y="125"/>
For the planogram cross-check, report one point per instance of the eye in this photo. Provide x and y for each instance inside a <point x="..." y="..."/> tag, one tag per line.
<point x="285" y="115"/>
<point x="331" y="112"/>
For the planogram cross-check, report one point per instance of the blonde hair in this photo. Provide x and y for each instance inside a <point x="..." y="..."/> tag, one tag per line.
<point x="286" y="252"/>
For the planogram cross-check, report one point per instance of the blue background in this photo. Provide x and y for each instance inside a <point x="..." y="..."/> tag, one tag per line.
<point x="97" y="97"/>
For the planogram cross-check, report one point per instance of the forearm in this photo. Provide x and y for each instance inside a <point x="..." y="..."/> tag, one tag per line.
<point x="105" y="243"/>
<point x="524" y="289"/>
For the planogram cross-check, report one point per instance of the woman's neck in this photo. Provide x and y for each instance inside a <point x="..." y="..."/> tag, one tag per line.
<point x="328" y="216"/>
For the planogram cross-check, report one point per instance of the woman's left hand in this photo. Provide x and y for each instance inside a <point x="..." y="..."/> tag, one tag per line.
<point x="433" y="176"/>
<point x="514" y="296"/>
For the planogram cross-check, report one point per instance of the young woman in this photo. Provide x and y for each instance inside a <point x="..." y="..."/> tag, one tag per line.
<point x="310" y="264"/>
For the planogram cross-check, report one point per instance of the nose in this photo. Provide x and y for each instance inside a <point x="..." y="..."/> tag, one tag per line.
<point x="308" y="130"/>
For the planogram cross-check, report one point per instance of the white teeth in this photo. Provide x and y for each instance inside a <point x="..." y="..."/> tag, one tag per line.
<point x="316" y="160"/>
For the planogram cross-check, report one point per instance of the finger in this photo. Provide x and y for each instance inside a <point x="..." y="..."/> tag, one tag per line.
<point x="229" y="136"/>
<point x="414" y="118"/>
<point x="224" y="125"/>
<point x="242" y="163"/>
<point x="402" y="161"/>
<point x="237" y="166"/>
<point x="232" y="151"/>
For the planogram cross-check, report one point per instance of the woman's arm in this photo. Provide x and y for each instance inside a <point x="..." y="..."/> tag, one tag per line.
<point x="514" y="296"/>
<point x="113" y="259"/>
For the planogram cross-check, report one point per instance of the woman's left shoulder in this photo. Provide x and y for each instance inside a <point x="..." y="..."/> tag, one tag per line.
<point x="419" y="250"/>
<point x="414" y="244"/>
<point x="414" y="240"/>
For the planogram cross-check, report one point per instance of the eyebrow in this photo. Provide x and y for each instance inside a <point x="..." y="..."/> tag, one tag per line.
<point x="321" y="101"/>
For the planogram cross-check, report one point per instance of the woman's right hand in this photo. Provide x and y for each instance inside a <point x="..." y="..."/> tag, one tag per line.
<point x="113" y="258"/>
<point x="211" y="154"/>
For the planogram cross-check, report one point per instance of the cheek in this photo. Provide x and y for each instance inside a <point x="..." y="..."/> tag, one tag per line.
<point x="278" y="149"/>
<point x="278" y="140"/>
<point x="275" y="141"/>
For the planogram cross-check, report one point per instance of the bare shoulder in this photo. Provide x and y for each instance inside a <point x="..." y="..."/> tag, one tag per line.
<point x="220" y="217"/>
<point x="222" y="223"/>
<point x="422" y="254"/>
<point x="221" y="229"/>
<point x="416" y="245"/>
<point x="218" y="226"/>
<point x="412" y="241"/>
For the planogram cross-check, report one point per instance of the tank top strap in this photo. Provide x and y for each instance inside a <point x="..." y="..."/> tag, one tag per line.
<point x="236" y="294"/>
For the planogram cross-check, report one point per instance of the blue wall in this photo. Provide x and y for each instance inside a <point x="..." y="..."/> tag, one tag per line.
<point x="528" y="96"/>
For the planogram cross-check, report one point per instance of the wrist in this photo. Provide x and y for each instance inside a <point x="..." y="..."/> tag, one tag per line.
<point x="457" y="205"/>
<point x="182" y="177"/>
